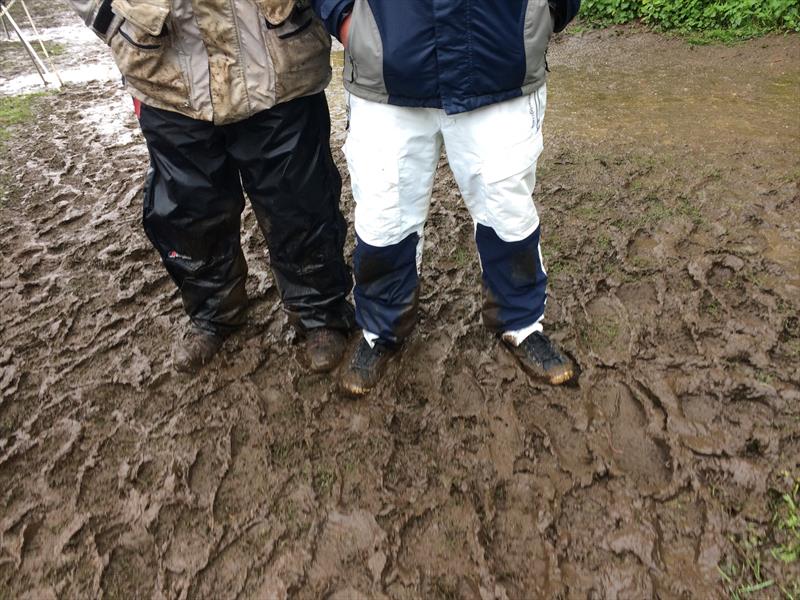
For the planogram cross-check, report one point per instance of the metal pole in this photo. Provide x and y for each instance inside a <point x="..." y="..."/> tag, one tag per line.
<point x="31" y="52"/>
<point x="5" y="28"/>
<point x="41" y="42"/>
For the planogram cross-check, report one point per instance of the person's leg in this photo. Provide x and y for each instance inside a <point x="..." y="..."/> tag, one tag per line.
<point x="392" y="153"/>
<point x="192" y="207"/>
<point x="288" y="172"/>
<point x="493" y="152"/>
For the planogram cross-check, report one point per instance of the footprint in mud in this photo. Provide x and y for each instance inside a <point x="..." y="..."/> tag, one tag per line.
<point x="608" y="331"/>
<point x="633" y="449"/>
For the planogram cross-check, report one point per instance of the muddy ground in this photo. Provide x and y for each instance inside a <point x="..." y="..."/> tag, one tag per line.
<point x="669" y="199"/>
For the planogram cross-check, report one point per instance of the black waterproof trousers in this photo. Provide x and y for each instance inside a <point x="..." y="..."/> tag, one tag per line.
<point x="194" y="200"/>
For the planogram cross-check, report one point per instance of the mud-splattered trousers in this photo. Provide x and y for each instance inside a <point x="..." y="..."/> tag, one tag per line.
<point x="392" y="153"/>
<point x="194" y="200"/>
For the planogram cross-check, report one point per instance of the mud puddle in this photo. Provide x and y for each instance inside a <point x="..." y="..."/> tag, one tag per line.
<point x="671" y="239"/>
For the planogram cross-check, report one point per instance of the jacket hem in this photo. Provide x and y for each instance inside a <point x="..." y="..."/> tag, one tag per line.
<point x="450" y="106"/>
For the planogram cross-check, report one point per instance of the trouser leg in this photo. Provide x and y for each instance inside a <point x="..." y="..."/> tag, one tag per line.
<point x="392" y="154"/>
<point x="192" y="210"/>
<point x="493" y="153"/>
<point x="288" y="172"/>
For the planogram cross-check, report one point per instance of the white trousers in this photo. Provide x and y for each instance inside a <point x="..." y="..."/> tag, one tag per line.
<point x="392" y="153"/>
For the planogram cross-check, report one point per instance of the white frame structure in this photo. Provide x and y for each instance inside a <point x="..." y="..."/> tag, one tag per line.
<point x="41" y="68"/>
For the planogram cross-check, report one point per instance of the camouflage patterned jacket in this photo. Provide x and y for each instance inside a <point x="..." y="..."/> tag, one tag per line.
<point x="214" y="60"/>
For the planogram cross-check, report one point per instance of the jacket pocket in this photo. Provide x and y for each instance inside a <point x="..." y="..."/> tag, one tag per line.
<point x="149" y="17"/>
<point x="276" y="11"/>
<point x="300" y="50"/>
<point x="145" y="55"/>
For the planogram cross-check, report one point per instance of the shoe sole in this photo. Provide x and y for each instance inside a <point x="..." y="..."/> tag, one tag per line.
<point x="354" y="390"/>
<point x="562" y="378"/>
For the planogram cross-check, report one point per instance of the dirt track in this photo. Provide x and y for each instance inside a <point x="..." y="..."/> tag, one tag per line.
<point x="669" y="198"/>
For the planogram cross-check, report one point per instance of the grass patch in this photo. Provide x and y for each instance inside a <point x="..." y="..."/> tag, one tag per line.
<point x="53" y="48"/>
<point x="657" y="211"/>
<point x="725" y="37"/>
<point x="15" y="110"/>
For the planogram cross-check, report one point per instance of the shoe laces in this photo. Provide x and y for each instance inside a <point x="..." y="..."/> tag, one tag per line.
<point x="539" y="347"/>
<point x="366" y="356"/>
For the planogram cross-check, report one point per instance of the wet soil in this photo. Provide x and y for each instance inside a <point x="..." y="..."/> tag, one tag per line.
<point x="671" y="227"/>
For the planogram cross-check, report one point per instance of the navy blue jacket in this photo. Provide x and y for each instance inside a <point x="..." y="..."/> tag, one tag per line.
<point x="457" y="55"/>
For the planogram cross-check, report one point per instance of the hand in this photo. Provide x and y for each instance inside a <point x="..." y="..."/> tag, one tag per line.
<point x="344" y="30"/>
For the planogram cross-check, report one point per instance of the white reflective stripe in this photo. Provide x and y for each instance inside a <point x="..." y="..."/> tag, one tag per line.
<point x="541" y="260"/>
<point x="420" y="250"/>
<point x="371" y="338"/>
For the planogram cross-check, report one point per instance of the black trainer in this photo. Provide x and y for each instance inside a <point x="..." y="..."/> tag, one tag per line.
<point x="542" y="359"/>
<point x="364" y="368"/>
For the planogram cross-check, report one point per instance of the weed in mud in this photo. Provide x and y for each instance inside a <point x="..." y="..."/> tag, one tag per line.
<point x="712" y="308"/>
<point x="786" y="518"/>
<point x="761" y="555"/>
<point x="461" y="256"/>
<point x="764" y="377"/>
<point x="323" y="482"/>
<point x="604" y="242"/>
<point x="280" y="453"/>
<point x="687" y="208"/>
<point x="793" y="347"/>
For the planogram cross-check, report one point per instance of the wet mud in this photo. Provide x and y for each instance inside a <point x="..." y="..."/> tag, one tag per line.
<point x="671" y="231"/>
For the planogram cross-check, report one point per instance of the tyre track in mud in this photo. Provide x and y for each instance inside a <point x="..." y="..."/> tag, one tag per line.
<point x="675" y="284"/>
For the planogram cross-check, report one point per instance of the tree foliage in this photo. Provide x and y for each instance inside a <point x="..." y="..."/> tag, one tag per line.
<point x="698" y="15"/>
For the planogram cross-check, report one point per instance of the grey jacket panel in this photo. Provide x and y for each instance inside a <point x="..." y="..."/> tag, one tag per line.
<point x="364" y="64"/>
<point x="538" y="30"/>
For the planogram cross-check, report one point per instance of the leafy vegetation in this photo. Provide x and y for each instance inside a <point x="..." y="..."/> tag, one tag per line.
<point x="722" y="20"/>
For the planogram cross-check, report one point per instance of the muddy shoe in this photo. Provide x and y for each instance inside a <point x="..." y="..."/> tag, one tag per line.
<point x="324" y="348"/>
<point x="365" y="368"/>
<point x="542" y="360"/>
<point x="196" y="349"/>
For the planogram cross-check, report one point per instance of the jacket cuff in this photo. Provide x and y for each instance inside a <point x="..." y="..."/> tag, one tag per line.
<point x="332" y="13"/>
<point x="563" y="12"/>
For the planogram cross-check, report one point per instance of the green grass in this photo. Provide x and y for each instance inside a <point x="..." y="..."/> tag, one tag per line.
<point x="323" y="482"/>
<point x="696" y="37"/>
<point x="657" y="211"/>
<point x="461" y="256"/>
<point x="15" y="110"/>
<point x="726" y="37"/>
<point x="764" y="556"/>
<point x="786" y="518"/>
<point x="53" y="48"/>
